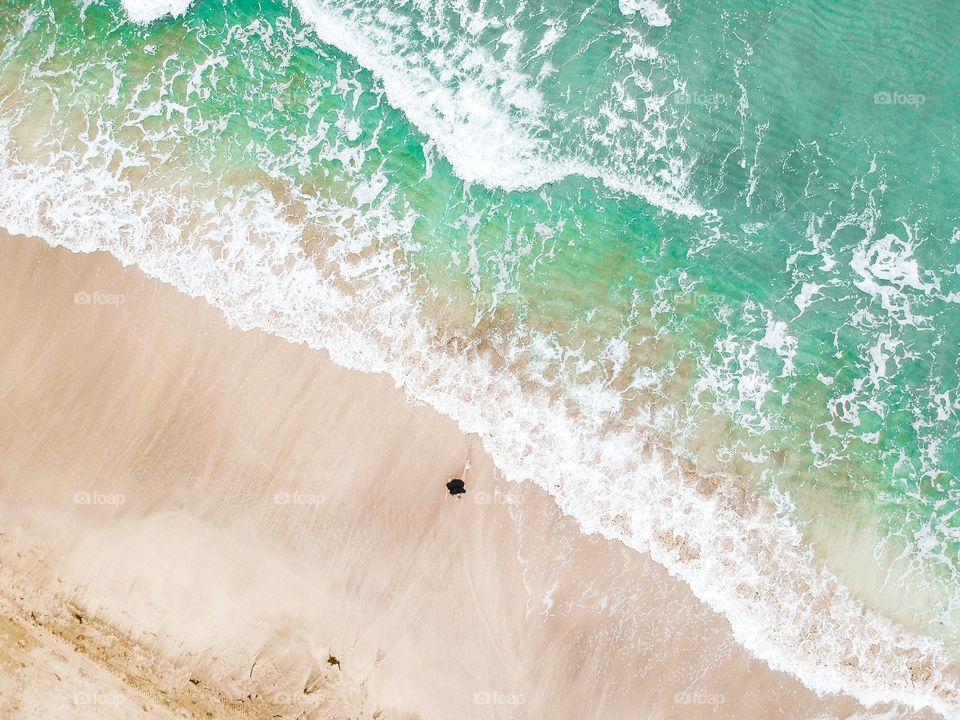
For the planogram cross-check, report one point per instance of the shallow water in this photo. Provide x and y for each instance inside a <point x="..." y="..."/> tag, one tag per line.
<point x="642" y="250"/>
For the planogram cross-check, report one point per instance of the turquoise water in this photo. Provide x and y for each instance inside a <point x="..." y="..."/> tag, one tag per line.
<point x="709" y="241"/>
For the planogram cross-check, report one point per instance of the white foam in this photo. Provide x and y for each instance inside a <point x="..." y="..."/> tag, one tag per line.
<point x="483" y="114"/>
<point x="806" y="297"/>
<point x="756" y="569"/>
<point x="886" y="268"/>
<point x="654" y="13"/>
<point x="147" y="11"/>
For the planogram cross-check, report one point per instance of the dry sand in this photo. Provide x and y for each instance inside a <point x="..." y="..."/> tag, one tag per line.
<point x="197" y="521"/>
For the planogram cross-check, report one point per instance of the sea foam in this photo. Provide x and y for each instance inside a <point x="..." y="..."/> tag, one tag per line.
<point x="655" y="14"/>
<point x="146" y="11"/>
<point x="490" y="125"/>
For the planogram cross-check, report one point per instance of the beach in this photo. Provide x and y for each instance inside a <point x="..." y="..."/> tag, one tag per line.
<point x="205" y="522"/>
<point x="479" y="360"/>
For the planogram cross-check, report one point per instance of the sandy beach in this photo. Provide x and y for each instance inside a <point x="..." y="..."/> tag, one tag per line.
<point x="197" y="521"/>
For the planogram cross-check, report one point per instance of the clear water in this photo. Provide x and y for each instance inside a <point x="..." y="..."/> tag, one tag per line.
<point x="693" y="268"/>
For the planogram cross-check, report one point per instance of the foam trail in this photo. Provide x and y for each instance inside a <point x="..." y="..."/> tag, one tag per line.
<point x="147" y="11"/>
<point x="489" y="125"/>
<point x="655" y="14"/>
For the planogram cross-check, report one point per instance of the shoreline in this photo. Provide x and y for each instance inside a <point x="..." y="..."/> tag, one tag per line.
<point x="751" y="569"/>
<point x="157" y="401"/>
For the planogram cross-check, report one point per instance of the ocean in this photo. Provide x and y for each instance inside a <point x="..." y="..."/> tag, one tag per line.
<point x="692" y="268"/>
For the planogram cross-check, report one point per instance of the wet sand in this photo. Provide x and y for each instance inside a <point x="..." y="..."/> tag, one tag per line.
<point x="203" y="522"/>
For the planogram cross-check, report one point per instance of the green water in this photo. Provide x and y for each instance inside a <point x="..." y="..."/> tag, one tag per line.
<point x="737" y="231"/>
